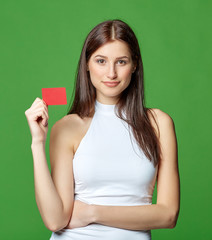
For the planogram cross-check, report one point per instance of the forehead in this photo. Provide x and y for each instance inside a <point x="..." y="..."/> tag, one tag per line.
<point x="113" y="49"/>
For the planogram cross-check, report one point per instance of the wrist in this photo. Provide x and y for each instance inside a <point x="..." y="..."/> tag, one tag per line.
<point x="37" y="143"/>
<point x="93" y="208"/>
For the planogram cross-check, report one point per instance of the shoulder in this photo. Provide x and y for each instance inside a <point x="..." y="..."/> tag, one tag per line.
<point x="67" y="127"/>
<point x="160" y="120"/>
<point x="161" y="116"/>
<point x="70" y="127"/>
<point x="67" y="122"/>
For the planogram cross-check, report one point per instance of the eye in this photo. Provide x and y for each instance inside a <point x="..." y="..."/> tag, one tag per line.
<point x="122" y="62"/>
<point x="100" y="60"/>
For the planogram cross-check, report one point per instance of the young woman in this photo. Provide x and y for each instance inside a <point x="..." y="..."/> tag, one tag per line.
<point x="108" y="152"/>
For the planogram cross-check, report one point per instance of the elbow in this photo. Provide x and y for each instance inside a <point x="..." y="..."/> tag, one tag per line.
<point x="56" y="223"/>
<point x="172" y="219"/>
<point x="52" y="228"/>
<point x="55" y="226"/>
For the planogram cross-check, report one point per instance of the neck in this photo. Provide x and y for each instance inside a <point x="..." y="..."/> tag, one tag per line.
<point x="104" y="108"/>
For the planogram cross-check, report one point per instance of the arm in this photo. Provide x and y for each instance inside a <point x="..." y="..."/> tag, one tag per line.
<point x="164" y="213"/>
<point x="54" y="193"/>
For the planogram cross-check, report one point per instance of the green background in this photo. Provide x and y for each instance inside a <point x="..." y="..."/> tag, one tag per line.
<point x="40" y="44"/>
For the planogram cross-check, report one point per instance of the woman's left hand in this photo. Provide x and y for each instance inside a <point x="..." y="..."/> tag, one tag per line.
<point x="82" y="215"/>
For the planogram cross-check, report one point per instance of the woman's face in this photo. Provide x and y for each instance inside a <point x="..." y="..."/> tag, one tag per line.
<point x="110" y="63"/>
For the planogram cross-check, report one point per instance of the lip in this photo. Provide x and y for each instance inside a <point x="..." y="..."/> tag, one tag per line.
<point x="111" y="84"/>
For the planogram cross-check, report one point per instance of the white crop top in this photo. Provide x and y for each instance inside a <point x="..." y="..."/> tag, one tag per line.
<point x="110" y="169"/>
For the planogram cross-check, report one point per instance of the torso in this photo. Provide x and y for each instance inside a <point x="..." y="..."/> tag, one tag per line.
<point x="79" y="127"/>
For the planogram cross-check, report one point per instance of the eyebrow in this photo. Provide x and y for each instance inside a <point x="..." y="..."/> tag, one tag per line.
<point x="116" y="58"/>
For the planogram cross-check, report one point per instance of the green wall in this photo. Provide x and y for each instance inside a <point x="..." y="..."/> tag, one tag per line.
<point x="40" y="44"/>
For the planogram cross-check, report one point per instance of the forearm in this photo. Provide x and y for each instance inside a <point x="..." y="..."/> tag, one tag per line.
<point x="47" y="198"/>
<point x="142" y="217"/>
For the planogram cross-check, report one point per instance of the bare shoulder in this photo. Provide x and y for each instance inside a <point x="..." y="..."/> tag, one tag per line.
<point x="161" y="116"/>
<point x="68" y="122"/>
<point x="71" y="128"/>
<point x="61" y="126"/>
<point x="66" y="129"/>
<point x="160" y="120"/>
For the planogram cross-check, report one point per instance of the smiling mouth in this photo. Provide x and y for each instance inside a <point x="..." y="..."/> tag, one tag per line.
<point x="111" y="84"/>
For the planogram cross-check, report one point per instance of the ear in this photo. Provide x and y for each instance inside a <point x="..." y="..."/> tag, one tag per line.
<point x="134" y="69"/>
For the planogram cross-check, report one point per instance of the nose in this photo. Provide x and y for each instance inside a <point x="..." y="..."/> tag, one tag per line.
<point x="111" y="72"/>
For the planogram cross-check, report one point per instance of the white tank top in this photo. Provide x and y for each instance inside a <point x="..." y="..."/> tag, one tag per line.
<point x="110" y="169"/>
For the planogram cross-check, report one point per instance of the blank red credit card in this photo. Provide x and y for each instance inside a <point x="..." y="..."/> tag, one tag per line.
<point x="54" y="96"/>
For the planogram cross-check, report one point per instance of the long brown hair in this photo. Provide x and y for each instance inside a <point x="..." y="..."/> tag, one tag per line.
<point x="131" y="99"/>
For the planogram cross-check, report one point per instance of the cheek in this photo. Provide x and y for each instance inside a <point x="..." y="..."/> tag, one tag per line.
<point x="96" y="72"/>
<point x="127" y="73"/>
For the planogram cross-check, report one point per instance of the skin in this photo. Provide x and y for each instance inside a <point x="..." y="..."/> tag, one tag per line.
<point x="111" y="68"/>
<point x="164" y="213"/>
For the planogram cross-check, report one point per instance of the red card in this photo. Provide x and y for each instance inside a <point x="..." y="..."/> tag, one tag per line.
<point x="54" y="96"/>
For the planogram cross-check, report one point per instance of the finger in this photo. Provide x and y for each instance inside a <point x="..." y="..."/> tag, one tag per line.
<point x="40" y="104"/>
<point x="45" y="120"/>
<point x="40" y="113"/>
<point x="36" y="101"/>
<point x="45" y="107"/>
<point x="42" y="109"/>
<point x="36" y="104"/>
